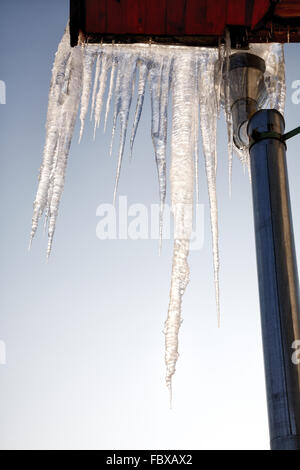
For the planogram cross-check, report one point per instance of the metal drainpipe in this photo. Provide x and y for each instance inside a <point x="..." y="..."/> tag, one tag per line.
<point x="278" y="278"/>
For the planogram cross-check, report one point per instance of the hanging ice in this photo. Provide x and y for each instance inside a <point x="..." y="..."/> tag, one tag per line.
<point x="159" y="89"/>
<point x="182" y="189"/>
<point x="127" y="71"/>
<point x="143" y="75"/>
<point x="106" y="63"/>
<point x="96" y="80"/>
<point x="111" y="85"/>
<point x="273" y="55"/>
<point x="193" y="79"/>
<point x="208" y="122"/>
<point x="227" y="109"/>
<point x="64" y="97"/>
<point x="88" y="62"/>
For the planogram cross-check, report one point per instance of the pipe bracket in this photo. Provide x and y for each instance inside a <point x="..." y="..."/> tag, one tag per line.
<point x="258" y="136"/>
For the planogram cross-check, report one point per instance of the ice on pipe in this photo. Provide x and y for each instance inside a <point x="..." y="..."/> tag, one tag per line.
<point x="273" y="55"/>
<point x="183" y="82"/>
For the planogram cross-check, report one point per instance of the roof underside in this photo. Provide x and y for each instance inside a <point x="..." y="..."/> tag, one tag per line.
<point x="190" y="22"/>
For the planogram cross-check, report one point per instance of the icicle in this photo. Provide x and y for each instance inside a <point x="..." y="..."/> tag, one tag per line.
<point x="69" y="113"/>
<point x="196" y="129"/>
<point x="127" y="70"/>
<point x="218" y="76"/>
<point x="96" y="82"/>
<point x="117" y="103"/>
<point x="143" y="74"/>
<point x="102" y="85"/>
<point x="228" y="107"/>
<point x="159" y="78"/>
<point x="182" y="187"/>
<point x="89" y="58"/>
<point x="56" y="98"/>
<point x="276" y="72"/>
<point x="110" y="91"/>
<point x="51" y="181"/>
<point x="196" y="148"/>
<point x="281" y="79"/>
<point x="208" y="124"/>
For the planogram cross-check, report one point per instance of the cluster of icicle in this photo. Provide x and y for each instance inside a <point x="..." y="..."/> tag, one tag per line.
<point x="191" y="79"/>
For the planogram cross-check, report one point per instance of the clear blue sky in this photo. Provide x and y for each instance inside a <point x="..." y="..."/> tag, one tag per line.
<point x="83" y="333"/>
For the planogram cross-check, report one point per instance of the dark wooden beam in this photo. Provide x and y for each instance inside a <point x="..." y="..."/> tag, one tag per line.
<point x="77" y="20"/>
<point x="192" y="22"/>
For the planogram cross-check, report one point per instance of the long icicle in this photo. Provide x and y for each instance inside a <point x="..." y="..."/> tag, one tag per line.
<point x="128" y="67"/>
<point x="69" y="112"/>
<point x="208" y="124"/>
<point x="196" y="129"/>
<point x="111" y="87"/>
<point x="159" y="89"/>
<point x="117" y="104"/>
<point x="106" y="61"/>
<point x="88" y="62"/>
<point x="143" y="74"/>
<point x="56" y="99"/>
<point x="228" y="108"/>
<point x="96" y="81"/>
<point x="182" y="188"/>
